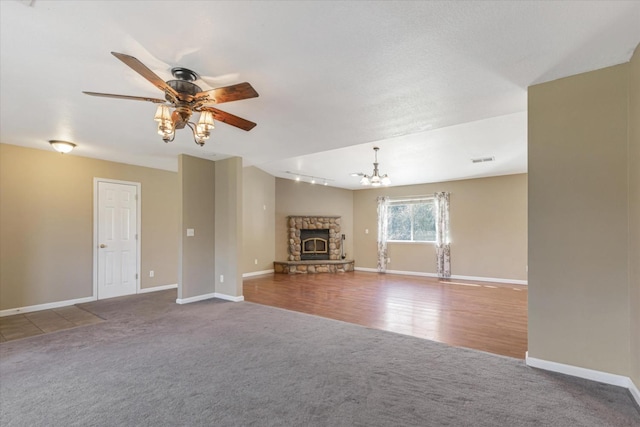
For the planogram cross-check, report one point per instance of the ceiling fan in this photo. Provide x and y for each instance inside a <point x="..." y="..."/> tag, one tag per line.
<point x="185" y="97"/>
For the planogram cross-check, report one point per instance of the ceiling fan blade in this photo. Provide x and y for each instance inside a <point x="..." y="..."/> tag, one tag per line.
<point x="230" y="119"/>
<point x="135" y="98"/>
<point x="145" y="72"/>
<point x="229" y="93"/>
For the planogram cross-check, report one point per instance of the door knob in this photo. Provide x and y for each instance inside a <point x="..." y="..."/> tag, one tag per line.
<point x="102" y="246"/>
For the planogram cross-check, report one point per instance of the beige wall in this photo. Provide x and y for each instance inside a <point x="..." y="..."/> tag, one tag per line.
<point x="634" y="213"/>
<point x="197" y="201"/>
<point x="258" y="218"/>
<point x="578" y="221"/>
<point x="46" y="224"/>
<point x="301" y="198"/>
<point x="488" y="228"/>
<point x="228" y="227"/>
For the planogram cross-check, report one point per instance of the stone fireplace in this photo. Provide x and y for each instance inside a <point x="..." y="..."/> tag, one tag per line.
<point x="310" y="226"/>
<point x="314" y="246"/>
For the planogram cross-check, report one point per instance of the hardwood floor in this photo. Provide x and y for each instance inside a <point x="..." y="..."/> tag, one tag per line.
<point x="491" y="317"/>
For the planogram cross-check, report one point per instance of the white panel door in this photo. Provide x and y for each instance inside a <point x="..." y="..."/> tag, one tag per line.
<point x="117" y="234"/>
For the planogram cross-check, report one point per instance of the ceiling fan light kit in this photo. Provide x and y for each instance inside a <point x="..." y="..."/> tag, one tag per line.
<point x="62" y="147"/>
<point x="186" y="98"/>
<point x="375" y="179"/>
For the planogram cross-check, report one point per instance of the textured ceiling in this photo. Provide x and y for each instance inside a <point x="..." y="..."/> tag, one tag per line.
<point x="433" y="84"/>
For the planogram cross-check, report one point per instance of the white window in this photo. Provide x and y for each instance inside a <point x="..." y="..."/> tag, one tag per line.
<point x="411" y="220"/>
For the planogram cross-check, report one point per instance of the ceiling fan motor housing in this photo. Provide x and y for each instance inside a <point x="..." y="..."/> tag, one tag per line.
<point x="181" y="73"/>
<point x="184" y="87"/>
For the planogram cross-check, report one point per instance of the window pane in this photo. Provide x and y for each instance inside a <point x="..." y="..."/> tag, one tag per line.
<point x="399" y="222"/>
<point x="424" y="222"/>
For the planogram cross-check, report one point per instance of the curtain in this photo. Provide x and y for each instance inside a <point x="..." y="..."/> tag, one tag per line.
<point x="383" y="202"/>
<point x="443" y="248"/>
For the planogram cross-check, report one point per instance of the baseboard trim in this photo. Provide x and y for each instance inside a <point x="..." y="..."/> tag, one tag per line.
<point x="491" y="279"/>
<point x="47" y="306"/>
<point x="196" y="298"/>
<point x="412" y="273"/>
<point x="635" y="392"/>
<point x="209" y="296"/>
<point x="587" y="374"/>
<point x="157" y="288"/>
<point x="455" y="277"/>
<point x="257" y="273"/>
<point x="365" y="269"/>
<point x="229" y="297"/>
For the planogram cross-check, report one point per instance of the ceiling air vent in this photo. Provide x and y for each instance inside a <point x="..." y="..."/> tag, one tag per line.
<point x="483" y="159"/>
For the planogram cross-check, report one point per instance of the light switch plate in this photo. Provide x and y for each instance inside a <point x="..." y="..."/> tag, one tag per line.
<point x="190" y="232"/>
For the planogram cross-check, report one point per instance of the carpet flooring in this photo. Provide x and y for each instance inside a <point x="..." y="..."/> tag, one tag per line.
<point x="156" y="363"/>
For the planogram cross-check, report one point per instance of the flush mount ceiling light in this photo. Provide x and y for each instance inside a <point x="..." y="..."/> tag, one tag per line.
<point x="62" y="146"/>
<point x="185" y="98"/>
<point x="375" y="180"/>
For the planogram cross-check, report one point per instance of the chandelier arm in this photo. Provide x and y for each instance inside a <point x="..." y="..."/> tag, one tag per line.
<point x="193" y="126"/>
<point x="167" y="140"/>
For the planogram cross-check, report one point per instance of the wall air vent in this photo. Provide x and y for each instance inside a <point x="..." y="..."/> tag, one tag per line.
<point x="483" y="159"/>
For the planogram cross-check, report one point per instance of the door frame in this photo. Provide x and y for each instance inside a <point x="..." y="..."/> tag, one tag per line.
<point x="95" y="229"/>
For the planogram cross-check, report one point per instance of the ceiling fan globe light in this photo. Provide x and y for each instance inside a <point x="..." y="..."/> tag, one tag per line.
<point x="202" y="131"/>
<point x="206" y="120"/>
<point x="165" y="127"/>
<point x="162" y="114"/>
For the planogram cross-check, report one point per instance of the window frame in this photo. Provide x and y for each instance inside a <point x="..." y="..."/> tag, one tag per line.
<point x="417" y="200"/>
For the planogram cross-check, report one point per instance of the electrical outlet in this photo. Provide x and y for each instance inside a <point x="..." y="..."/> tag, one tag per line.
<point x="366" y="231"/>
<point x="388" y="260"/>
<point x="151" y="273"/>
<point x="255" y="261"/>
<point x="221" y="278"/>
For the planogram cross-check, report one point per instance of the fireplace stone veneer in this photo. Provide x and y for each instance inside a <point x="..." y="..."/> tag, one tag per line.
<point x="313" y="266"/>
<point x="295" y="264"/>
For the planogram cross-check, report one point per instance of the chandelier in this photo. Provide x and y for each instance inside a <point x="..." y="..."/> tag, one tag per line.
<point x="168" y="123"/>
<point x="375" y="180"/>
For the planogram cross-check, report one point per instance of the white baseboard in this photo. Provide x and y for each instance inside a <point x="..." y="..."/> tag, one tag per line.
<point x="47" y="306"/>
<point x="455" y="277"/>
<point x="229" y="297"/>
<point x="196" y="298"/>
<point x="257" y="273"/>
<point x="157" y="288"/>
<point x="635" y="392"/>
<point x="412" y="273"/>
<point x="588" y="374"/>
<point x="368" y="270"/>
<point x="209" y="296"/>
<point x="490" y="279"/>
